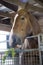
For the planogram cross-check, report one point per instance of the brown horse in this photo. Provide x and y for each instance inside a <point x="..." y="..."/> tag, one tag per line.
<point x="25" y="24"/>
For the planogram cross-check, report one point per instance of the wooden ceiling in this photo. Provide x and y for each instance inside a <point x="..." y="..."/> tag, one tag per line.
<point x="34" y="6"/>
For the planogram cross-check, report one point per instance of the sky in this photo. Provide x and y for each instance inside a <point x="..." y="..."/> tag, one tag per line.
<point x="3" y="45"/>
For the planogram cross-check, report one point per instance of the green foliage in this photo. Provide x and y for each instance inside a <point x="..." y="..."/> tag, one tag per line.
<point x="13" y="52"/>
<point x="7" y="52"/>
<point x="4" y="59"/>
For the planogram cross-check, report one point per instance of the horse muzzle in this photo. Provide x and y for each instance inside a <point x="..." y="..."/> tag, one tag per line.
<point x="15" y="40"/>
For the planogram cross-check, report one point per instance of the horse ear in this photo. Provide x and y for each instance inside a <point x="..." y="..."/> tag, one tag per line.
<point x="34" y="24"/>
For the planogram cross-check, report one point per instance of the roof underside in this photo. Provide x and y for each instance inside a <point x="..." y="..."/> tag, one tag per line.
<point x="7" y="7"/>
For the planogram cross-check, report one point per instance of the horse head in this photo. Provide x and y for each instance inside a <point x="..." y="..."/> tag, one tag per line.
<point x="24" y="25"/>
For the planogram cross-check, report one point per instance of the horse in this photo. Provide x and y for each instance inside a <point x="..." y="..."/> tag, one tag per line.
<point x="24" y="25"/>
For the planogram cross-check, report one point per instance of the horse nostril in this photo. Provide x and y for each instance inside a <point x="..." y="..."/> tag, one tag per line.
<point x="14" y="38"/>
<point x="16" y="41"/>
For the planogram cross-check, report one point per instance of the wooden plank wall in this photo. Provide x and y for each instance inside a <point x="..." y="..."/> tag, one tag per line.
<point x="4" y="27"/>
<point x="41" y="24"/>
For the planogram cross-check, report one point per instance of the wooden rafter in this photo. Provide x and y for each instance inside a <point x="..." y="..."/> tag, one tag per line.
<point x="9" y="5"/>
<point x="6" y="14"/>
<point x="34" y="8"/>
<point x="5" y="27"/>
<point x="17" y="2"/>
<point x="39" y="1"/>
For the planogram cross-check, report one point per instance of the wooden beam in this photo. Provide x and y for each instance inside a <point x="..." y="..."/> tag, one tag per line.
<point x="9" y="5"/>
<point x="34" y="8"/>
<point x="5" y="14"/>
<point x="39" y="1"/>
<point x="5" y="27"/>
<point x="17" y="2"/>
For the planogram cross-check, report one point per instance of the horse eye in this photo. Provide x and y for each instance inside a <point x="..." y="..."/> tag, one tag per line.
<point x="22" y="18"/>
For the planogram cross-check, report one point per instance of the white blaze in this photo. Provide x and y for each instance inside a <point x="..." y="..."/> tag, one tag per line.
<point x="10" y="38"/>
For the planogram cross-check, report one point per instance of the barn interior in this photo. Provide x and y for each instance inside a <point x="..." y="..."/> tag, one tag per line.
<point x="8" y="10"/>
<point x="9" y="7"/>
